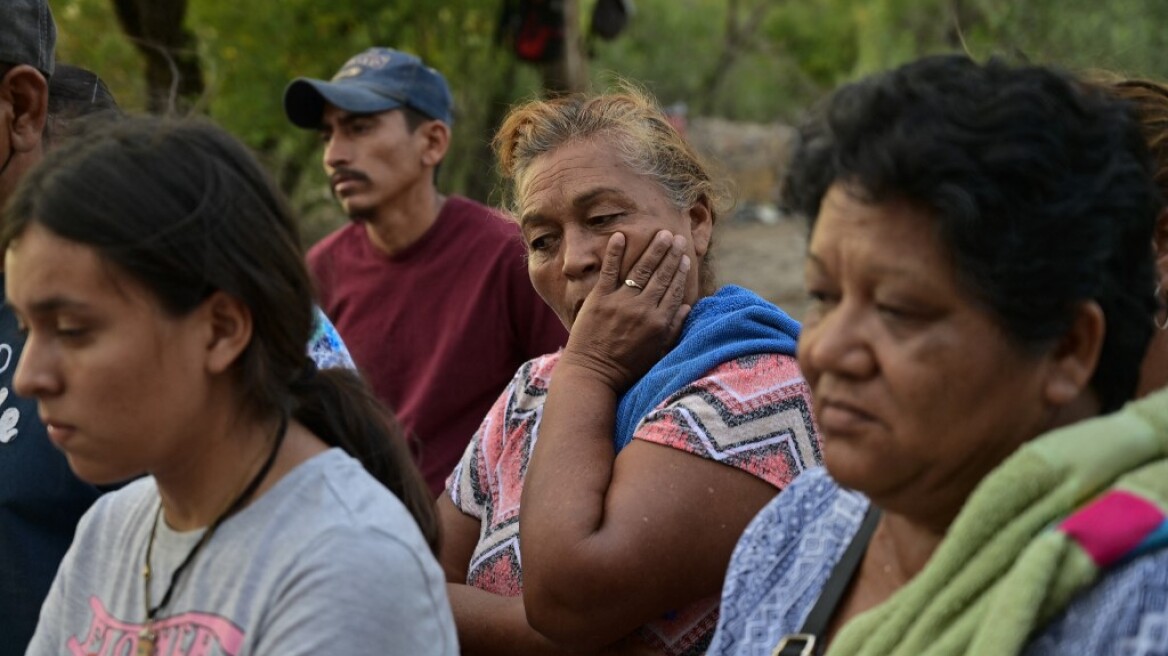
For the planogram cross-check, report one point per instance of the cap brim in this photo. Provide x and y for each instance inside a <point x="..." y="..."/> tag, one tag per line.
<point x="304" y="100"/>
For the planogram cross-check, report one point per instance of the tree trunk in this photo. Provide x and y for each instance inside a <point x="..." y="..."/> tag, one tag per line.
<point x="739" y="36"/>
<point x="174" y="79"/>
<point x="569" y="72"/>
<point x="482" y="180"/>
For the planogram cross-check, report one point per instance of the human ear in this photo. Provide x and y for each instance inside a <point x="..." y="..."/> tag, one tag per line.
<point x="230" y="330"/>
<point x="701" y="225"/>
<point x="436" y="141"/>
<point x="26" y="93"/>
<point x="1076" y="356"/>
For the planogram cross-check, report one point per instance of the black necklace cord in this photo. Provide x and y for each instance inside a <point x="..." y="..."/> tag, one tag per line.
<point x="235" y="506"/>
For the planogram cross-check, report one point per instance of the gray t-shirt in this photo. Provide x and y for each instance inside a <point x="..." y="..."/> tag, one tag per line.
<point x="326" y="562"/>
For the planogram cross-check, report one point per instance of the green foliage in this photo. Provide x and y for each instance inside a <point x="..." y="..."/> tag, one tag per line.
<point x="782" y="56"/>
<point x="250" y="55"/>
<point x="89" y="36"/>
<point x="662" y="47"/>
<point x="818" y="37"/>
<point x="1124" y="35"/>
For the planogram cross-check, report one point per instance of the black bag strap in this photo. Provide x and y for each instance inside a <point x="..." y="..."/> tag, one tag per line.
<point x="808" y="642"/>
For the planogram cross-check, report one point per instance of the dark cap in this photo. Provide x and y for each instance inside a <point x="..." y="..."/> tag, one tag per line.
<point x="377" y="80"/>
<point x="27" y="34"/>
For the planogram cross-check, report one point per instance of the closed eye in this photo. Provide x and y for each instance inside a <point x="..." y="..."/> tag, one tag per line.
<point x="71" y="332"/>
<point x="603" y="219"/>
<point x="360" y="126"/>
<point x="894" y="312"/>
<point x="821" y="297"/>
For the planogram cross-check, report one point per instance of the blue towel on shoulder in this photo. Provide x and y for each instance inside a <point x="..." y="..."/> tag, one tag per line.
<point x="731" y="324"/>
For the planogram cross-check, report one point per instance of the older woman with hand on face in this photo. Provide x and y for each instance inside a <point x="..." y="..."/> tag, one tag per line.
<point x="981" y="271"/>
<point x="628" y="463"/>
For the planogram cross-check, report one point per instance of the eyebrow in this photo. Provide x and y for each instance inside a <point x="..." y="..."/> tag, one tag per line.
<point x="345" y="119"/>
<point x="54" y="304"/>
<point x="884" y="269"/>
<point x="583" y="200"/>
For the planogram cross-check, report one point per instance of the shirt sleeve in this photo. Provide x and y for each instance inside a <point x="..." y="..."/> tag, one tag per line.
<point x="781" y="563"/>
<point x="487" y="467"/>
<point x="48" y="639"/>
<point x="752" y="413"/>
<point x="465" y="485"/>
<point x="62" y="604"/>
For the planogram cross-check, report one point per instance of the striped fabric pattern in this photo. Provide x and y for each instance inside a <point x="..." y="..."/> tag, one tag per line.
<point x="752" y="413"/>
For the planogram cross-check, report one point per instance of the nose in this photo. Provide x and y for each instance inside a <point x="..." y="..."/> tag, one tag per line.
<point x="36" y="373"/>
<point x="837" y="341"/>
<point x="336" y="153"/>
<point x="583" y="251"/>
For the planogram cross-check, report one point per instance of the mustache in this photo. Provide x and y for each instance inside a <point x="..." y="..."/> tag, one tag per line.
<point x="343" y="174"/>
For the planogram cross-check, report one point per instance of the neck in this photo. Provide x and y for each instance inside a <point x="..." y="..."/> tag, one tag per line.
<point x="209" y="475"/>
<point x="908" y="544"/>
<point x="914" y="530"/>
<point x="393" y="229"/>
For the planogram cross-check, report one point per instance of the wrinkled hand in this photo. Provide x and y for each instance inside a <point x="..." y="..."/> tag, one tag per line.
<point x="622" y="330"/>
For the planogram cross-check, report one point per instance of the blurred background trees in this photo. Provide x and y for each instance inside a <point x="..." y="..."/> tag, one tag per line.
<point x="745" y="60"/>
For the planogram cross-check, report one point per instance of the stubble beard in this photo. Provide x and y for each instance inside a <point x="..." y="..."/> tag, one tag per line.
<point x="361" y="215"/>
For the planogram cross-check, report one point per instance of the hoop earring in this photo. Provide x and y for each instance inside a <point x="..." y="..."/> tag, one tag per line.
<point x="1161" y="324"/>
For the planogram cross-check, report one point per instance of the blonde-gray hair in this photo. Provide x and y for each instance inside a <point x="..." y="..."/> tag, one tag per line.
<point x="631" y="122"/>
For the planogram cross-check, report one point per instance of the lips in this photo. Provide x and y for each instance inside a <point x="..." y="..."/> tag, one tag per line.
<point x="59" y="433"/>
<point x="345" y="180"/>
<point x="839" y="417"/>
<point x="343" y="185"/>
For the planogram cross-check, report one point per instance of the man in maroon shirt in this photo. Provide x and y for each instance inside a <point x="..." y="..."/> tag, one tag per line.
<point x="429" y="292"/>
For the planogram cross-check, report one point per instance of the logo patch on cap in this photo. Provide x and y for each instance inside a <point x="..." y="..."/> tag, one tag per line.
<point x="361" y="63"/>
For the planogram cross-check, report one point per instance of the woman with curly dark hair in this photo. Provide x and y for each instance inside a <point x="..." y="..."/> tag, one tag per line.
<point x="981" y="274"/>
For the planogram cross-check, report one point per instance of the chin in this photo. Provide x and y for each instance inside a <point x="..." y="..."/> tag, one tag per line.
<point x="100" y="473"/>
<point x="356" y="211"/>
<point x="359" y="215"/>
<point x="851" y="469"/>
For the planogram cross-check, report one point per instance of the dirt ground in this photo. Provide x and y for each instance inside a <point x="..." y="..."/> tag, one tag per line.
<point x="765" y="258"/>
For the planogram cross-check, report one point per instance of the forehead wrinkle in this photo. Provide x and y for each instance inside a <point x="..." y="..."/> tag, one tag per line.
<point x="581" y="201"/>
<point x="588" y="197"/>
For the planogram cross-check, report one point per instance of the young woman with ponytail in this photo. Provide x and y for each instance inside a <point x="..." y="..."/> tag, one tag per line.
<point x="159" y="276"/>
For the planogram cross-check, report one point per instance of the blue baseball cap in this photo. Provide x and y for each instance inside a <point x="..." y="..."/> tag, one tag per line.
<point x="377" y="80"/>
<point x="27" y="34"/>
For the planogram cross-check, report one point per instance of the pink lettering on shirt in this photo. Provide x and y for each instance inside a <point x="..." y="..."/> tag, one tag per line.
<point x="187" y="634"/>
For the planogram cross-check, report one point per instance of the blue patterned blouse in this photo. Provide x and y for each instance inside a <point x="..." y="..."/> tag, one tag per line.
<point x="325" y="346"/>
<point x="787" y="552"/>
